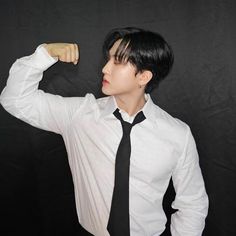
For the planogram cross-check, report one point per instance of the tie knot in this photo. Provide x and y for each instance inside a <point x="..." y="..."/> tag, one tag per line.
<point x="126" y="125"/>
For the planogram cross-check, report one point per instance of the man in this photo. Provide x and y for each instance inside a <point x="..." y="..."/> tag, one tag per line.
<point x="122" y="149"/>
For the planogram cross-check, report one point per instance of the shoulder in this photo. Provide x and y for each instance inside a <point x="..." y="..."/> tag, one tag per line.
<point x="173" y="127"/>
<point x="102" y="102"/>
<point x="95" y="103"/>
<point x="89" y="104"/>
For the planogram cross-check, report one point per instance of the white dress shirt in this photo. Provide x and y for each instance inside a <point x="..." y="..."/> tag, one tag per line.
<point x="162" y="147"/>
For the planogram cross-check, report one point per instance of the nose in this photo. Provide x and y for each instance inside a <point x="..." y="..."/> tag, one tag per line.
<point x="106" y="68"/>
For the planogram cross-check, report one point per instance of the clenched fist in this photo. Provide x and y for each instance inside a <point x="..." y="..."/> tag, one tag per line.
<point x="66" y="52"/>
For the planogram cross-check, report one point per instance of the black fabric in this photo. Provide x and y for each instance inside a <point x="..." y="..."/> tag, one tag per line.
<point x="119" y="220"/>
<point x="36" y="188"/>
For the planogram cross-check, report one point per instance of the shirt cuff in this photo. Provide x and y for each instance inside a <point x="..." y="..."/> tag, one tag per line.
<point x="40" y="59"/>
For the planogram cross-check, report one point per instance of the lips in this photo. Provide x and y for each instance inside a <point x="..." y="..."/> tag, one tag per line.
<point x="105" y="81"/>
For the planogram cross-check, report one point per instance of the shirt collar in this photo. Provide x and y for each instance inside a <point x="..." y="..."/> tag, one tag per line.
<point x="148" y="109"/>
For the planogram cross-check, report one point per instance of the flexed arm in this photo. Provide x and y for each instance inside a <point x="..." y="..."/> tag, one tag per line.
<point x="22" y="98"/>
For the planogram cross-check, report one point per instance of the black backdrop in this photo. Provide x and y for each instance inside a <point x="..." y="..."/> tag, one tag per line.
<point x="36" y="190"/>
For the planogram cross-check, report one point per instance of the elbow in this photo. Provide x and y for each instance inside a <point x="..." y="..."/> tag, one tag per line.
<point x="10" y="103"/>
<point x="206" y="204"/>
<point x="5" y="100"/>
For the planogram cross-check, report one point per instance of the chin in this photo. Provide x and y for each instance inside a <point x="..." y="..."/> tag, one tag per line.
<point x="107" y="92"/>
<point x="110" y="92"/>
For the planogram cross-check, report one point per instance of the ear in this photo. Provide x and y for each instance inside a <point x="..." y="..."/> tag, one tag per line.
<point x="144" y="77"/>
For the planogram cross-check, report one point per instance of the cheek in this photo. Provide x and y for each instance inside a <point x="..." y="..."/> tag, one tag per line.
<point x="123" y="77"/>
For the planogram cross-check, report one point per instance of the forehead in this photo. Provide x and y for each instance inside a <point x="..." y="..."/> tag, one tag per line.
<point x="113" y="49"/>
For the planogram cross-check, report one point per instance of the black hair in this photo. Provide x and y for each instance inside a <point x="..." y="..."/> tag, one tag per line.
<point x="144" y="49"/>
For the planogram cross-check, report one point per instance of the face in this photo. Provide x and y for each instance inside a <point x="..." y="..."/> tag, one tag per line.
<point x="118" y="78"/>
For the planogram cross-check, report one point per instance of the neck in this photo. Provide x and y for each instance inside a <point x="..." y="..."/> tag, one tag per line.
<point x="129" y="103"/>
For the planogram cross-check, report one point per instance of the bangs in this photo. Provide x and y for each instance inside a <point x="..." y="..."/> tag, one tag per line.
<point x="123" y="51"/>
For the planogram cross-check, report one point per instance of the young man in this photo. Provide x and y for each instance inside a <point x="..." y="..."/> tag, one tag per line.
<point x="122" y="149"/>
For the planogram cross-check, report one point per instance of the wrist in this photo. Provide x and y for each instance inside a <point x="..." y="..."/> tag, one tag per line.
<point x="49" y="49"/>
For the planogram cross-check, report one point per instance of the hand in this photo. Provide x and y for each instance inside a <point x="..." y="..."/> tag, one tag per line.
<point x="66" y="52"/>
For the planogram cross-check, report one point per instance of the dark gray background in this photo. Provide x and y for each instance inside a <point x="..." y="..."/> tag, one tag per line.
<point x="36" y="190"/>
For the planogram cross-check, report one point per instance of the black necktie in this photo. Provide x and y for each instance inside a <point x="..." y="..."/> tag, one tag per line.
<point x="118" y="223"/>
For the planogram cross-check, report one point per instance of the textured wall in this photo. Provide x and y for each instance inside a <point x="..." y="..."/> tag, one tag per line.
<point x="36" y="191"/>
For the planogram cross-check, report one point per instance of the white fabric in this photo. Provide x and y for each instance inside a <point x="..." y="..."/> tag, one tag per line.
<point x="162" y="146"/>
